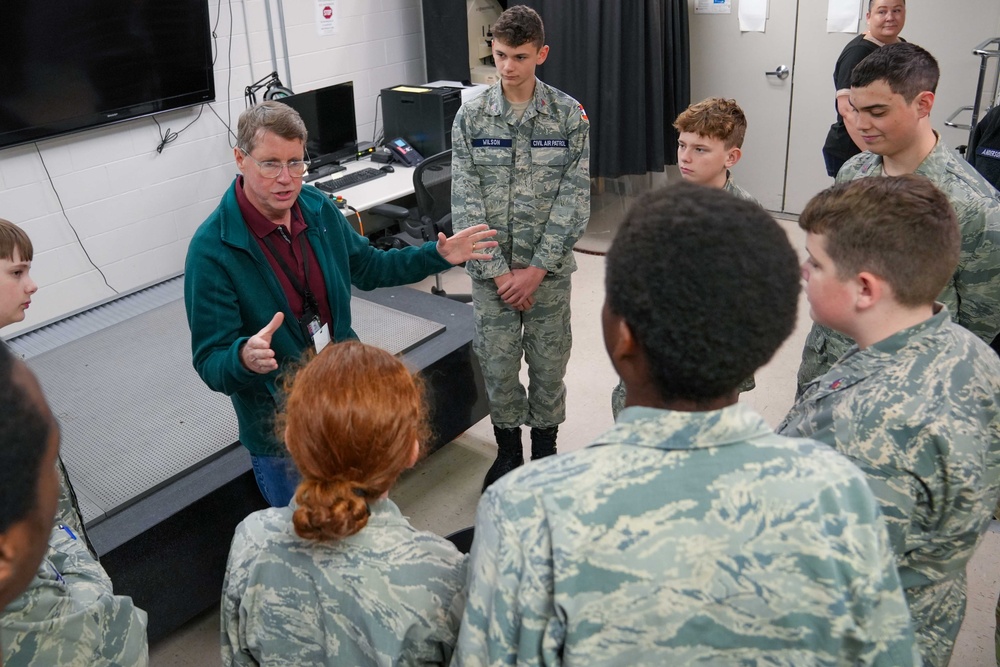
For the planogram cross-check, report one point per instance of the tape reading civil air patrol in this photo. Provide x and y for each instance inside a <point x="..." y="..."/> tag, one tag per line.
<point x="492" y="143"/>
<point x="549" y="143"/>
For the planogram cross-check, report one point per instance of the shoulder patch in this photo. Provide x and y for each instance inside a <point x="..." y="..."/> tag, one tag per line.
<point x="583" y="113"/>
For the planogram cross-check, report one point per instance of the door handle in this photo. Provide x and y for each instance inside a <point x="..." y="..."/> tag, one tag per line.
<point x="781" y="72"/>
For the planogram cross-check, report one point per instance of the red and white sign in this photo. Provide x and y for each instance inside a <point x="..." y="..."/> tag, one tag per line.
<point x="326" y="21"/>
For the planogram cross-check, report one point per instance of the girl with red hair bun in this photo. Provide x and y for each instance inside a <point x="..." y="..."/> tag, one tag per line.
<point x="340" y="576"/>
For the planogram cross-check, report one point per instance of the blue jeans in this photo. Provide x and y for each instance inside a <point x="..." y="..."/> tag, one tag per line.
<point x="276" y="477"/>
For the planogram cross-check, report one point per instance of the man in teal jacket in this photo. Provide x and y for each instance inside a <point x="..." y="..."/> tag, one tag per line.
<point x="269" y="274"/>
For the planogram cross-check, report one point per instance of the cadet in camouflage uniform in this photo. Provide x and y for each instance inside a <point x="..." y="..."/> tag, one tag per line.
<point x="16" y="254"/>
<point x="689" y="533"/>
<point x="340" y="577"/>
<point x="916" y="405"/>
<point x="388" y="595"/>
<point x="29" y="448"/>
<point x="710" y="142"/>
<point x="897" y="82"/>
<point x="68" y="615"/>
<point x="521" y="164"/>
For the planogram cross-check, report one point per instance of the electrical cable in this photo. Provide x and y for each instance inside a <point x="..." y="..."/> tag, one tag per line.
<point x="168" y="136"/>
<point x="66" y="217"/>
<point x="229" y="71"/>
<point x="361" y="225"/>
<point x="375" y="124"/>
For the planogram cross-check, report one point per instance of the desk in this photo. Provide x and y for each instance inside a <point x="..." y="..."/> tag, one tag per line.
<point x="388" y="188"/>
<point x="396" y="187"/>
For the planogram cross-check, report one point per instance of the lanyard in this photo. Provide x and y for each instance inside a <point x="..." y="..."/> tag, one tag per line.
<point x="308" y="300"/>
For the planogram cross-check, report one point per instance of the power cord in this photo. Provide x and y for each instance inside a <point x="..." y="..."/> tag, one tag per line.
<point x="375" y="137"/>
<point x="229" y="69"/>
<point x="169" y="136"/>
<point x="66" y="217"/>
<point x="361" y="225"/>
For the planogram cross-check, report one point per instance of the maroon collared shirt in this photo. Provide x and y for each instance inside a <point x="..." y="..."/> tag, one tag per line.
<point x="289" y="248"/>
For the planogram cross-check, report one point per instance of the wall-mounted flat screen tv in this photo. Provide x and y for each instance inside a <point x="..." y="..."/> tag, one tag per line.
<point x="70" y="65"/>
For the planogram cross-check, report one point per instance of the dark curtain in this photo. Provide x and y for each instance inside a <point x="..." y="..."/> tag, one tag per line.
<point x="628" y="63"/>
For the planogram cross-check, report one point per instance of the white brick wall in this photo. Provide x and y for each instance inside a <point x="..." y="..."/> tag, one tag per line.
<point x="135" y="210"/>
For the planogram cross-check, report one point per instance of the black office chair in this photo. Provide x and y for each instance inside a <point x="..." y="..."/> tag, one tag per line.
<point x="462" y="539"/>
<point x="432" y="187"/>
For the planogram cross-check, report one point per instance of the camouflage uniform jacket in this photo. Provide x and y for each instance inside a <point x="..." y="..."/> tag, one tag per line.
<point x="737" y="191"/>
<point x="527" y="179"/>
<point x="70" y="616"/>
<point x="973" y="294"/>
<point x="919" y="412"/>
<point x="684" y="538"/>
<point x="388" y="595"/>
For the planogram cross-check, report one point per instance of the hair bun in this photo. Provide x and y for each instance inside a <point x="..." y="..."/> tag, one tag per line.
<point x="329" y="509"/>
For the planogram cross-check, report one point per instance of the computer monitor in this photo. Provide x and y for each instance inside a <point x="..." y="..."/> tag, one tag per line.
<point x="329" y="117"/>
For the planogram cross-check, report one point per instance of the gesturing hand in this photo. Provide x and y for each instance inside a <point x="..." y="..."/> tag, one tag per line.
<point x="466" y="244"/>
<point x="256" y="354"/>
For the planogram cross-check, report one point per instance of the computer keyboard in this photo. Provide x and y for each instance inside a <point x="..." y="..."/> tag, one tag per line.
<point x="354" y="178"/>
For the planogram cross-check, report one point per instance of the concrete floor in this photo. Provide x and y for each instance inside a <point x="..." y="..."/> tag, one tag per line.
<point x="441" y="493"/>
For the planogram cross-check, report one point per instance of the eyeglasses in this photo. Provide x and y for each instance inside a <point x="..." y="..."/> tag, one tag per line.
<point x="271" y="169"/>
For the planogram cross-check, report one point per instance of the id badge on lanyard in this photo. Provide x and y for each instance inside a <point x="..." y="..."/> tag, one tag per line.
<point x="310" y="322"/>
<point x="320" y="334"/>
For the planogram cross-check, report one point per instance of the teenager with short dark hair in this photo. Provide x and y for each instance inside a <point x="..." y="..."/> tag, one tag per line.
<point x="892" y="93"/>
<point x="689" y="533"/>
<point x="521" y="164"/>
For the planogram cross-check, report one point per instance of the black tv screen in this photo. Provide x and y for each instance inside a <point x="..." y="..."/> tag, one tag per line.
<point x="70" y="65"/>
<point x="328" y="114"/>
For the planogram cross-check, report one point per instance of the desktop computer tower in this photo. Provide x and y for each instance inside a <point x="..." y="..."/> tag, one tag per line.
<point x="421" y="115"/>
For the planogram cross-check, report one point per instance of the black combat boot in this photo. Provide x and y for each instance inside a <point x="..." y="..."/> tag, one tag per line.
<point x="509" y="454"/>
<point x="543" y="442"/>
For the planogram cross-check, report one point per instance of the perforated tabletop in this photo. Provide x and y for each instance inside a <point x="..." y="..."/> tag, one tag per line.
<point x="135" y="415"/>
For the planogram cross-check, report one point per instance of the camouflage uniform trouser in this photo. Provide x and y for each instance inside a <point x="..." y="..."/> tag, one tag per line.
<point x="542" y="334"/>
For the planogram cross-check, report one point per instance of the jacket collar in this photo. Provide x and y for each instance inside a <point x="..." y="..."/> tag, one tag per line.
<point x="234" y="230"/>
<point x="858" y="364"/>
<point x="669" y="429"/>
<point x="539" y="101"/>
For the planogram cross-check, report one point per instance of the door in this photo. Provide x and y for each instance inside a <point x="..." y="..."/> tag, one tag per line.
<point x="727" y="63"/>
<point x="948" y="30"/>
<point x="782" y="161"/>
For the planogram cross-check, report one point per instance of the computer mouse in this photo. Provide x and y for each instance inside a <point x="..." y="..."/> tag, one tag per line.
<point x="387" y="168"/>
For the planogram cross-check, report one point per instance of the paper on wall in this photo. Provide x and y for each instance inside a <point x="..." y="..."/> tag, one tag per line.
<point x="326" y="18"/>
<point x="713" y="6"/>
<point x="753" y="15"/>
<point x="843" y="15"/>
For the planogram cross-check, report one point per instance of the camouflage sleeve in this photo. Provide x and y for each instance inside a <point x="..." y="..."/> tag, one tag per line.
<point x="73" y="617"/>
<point x="890" y="627"/>
<point x="977" y="283"/>
<point x="467" y="207"/>
<point x="571" y="210"/>
<point x="234" y="643"/>
<point x="509" y="613"/>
